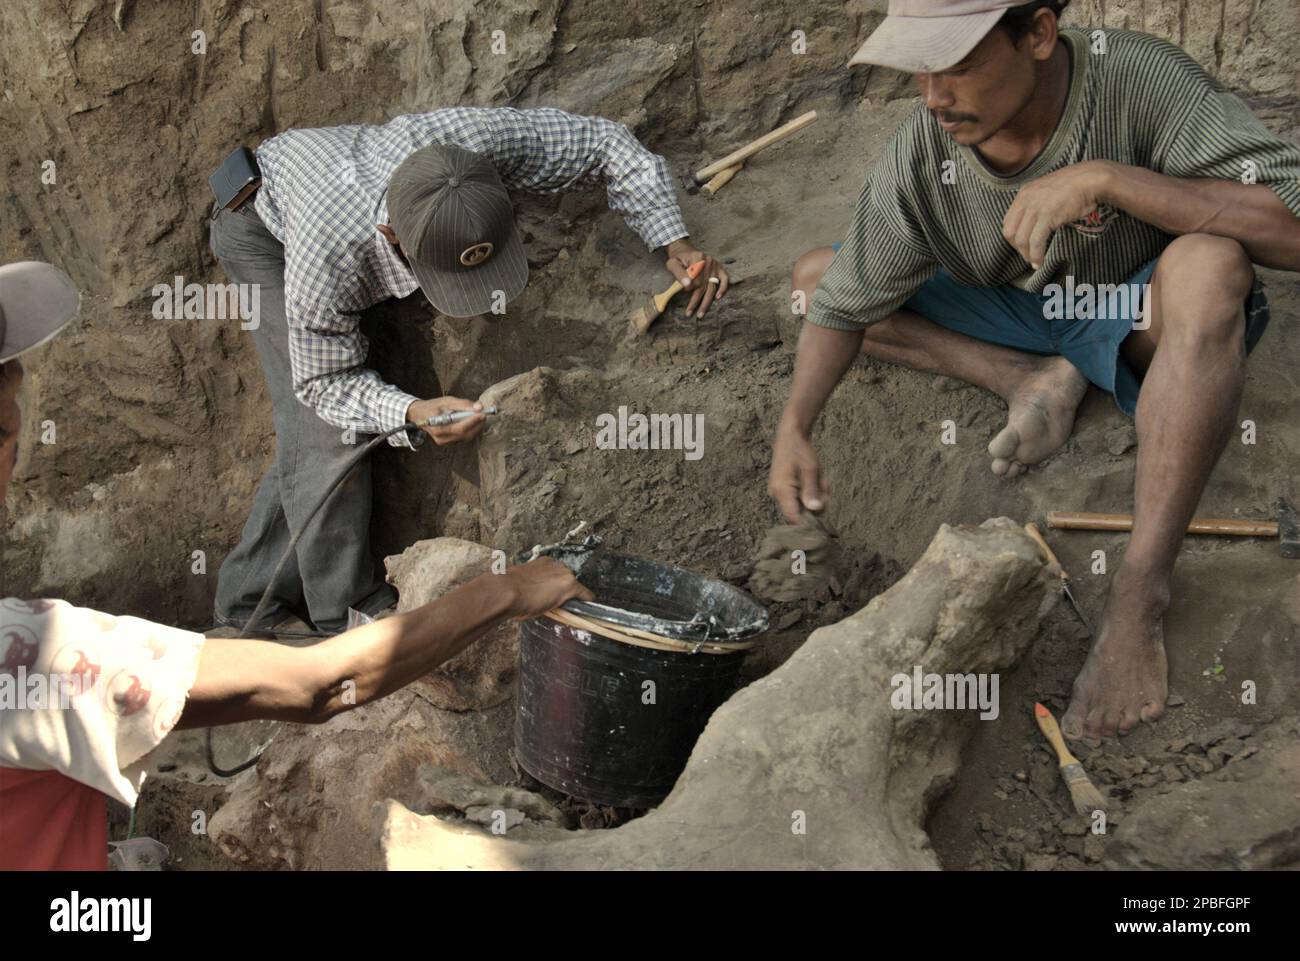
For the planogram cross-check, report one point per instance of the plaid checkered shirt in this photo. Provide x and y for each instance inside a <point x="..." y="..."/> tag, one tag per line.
<point x="324" y="191"/>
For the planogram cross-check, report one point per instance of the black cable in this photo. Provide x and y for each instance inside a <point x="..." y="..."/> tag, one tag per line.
<point x="275" y="576"/>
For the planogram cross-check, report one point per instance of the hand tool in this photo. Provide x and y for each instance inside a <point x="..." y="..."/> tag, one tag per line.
<point x="1086" y="798"/>
<point x="704" y="174"/>
<point x="1033" y="531"/>
<point x="649" y="312"/>
<point x="722" y="179"/>
<point x="451" y="417"/>
<point x="1286" y="528"/>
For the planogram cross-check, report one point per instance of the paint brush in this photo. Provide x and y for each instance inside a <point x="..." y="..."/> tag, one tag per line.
<point x="1086" y="798"/>
<point x="649" y="312"/>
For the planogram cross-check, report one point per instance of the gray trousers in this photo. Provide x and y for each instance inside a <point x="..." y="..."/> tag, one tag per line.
<point x="332" y="568"/>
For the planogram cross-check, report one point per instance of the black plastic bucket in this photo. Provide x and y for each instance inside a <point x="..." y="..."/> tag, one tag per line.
<point x="613" y="722"/>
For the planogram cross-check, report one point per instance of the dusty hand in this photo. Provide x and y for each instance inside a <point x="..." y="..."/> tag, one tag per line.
<point x="709" y="285"/>
<point x="1048" y="203"/>
<point x="795" y="478"/>
<point x="542" y="585"/>
<point x="421" y="410"/>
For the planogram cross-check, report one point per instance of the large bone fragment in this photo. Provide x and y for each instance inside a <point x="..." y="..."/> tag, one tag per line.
<point x="811" y="766"/>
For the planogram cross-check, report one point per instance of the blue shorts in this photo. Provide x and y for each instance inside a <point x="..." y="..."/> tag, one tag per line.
<point x="1046" y="325"/>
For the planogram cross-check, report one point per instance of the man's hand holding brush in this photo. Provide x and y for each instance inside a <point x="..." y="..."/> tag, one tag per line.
<point x="705" y="285"/>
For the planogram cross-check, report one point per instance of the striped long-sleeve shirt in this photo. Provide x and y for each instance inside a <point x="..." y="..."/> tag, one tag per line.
<point x="929" y="202"/>
<point x="324" y="191"/>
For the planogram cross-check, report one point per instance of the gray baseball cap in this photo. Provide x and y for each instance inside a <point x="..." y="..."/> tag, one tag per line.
<point x="37" y="301"/>
<point x="456" y="225"/>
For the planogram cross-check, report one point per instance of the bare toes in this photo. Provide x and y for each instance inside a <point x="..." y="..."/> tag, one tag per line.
<point x="1092" y="727"/>
<point x="1004" y="444"/>
<point x="1128" y="720"/>
<point x="1072" y="722"/>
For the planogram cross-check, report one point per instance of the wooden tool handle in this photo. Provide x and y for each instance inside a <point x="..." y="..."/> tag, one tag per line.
<point x="722" y="179"/>
<point x="1047" y="724"/>
<point x="731" y="159"/>
<point x="1033" y="531"/>
<point x="1082" y="520"/>
<point x="673" y="290"/>
<point x="644" y="318"/>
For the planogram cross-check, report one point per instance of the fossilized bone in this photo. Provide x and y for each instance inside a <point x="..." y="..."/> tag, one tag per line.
<point x="811" y="766"/>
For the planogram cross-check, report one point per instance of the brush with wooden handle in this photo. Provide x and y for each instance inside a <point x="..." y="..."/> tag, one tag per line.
<point x="1086" y="798"/>
<point x="1032" y="530"/>
<point x="649" y="312"/>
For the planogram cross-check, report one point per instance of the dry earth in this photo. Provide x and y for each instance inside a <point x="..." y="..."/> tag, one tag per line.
<point x="163" y="426"/>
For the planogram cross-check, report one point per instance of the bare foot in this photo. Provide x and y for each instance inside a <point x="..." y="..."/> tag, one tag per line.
<point x="1040" y="416"/>
<point x="1125" y="679"/>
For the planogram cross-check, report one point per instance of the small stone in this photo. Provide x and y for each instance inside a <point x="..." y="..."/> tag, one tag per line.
<point x="1013" y="854"/>
<point x="1199" y="764"/>
<point x="1232" y="747"/>
<point x="1094" y="846"/>
<point x="1040" y="862"/>
<point x="1224" y="730"/>
<point x="788" y="620"/>
<point x="1219" y="755"/>
<point x="1074" y="827"/>
<point x="1120" y="440"/>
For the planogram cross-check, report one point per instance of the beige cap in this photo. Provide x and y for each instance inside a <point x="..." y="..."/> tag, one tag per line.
<point x="37" y="300"/>
<point x="926" y="36"/>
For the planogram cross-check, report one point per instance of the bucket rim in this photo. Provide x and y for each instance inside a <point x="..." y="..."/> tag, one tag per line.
<point x="699" y="628"/>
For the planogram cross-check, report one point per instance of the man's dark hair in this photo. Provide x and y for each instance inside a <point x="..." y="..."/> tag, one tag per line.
<point x="1016" y="21"/>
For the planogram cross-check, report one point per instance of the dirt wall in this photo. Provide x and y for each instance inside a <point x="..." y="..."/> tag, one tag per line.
<point x="162" y="428"/>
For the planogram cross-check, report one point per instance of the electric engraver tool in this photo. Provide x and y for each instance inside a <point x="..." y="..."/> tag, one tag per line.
<point x="442" y="420"/>
<point x="438" y="420"/>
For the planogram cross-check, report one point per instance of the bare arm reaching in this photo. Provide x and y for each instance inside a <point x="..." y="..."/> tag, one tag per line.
<point x="240" y="680"/>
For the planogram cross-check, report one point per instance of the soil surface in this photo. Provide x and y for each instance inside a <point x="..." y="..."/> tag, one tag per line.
<point x="176" y="424"/>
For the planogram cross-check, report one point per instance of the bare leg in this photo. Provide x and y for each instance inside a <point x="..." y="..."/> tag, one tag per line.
<point x="1042" y="393"/>
<point x="1186" y="410"/>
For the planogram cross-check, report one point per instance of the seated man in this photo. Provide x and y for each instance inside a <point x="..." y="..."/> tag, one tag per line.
<point x="1040" y="158"/>
<point x="85" y="696"/>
